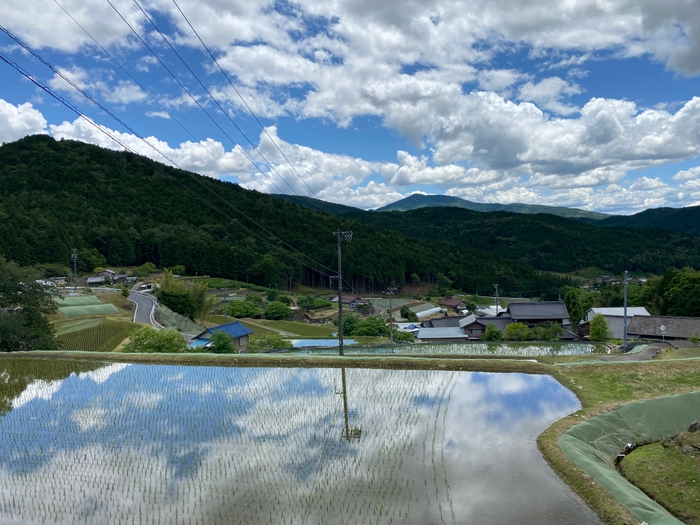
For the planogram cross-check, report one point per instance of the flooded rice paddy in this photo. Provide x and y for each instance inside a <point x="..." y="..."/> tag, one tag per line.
<point x="151" y="444"/>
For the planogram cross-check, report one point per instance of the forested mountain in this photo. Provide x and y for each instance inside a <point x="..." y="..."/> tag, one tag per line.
<point x="117" y="209"/>
<point x="416" y="201"/>
<point x="318" y="204"/>
<point x="545" y="241"/>
<point x="679" y="219"/>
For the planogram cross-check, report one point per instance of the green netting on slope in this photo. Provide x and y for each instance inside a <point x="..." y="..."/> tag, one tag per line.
<point x="78" y="300"/>
<point x="592" y="445"/>
<point x="176" y="322"/>
<point x="97" y="309"/>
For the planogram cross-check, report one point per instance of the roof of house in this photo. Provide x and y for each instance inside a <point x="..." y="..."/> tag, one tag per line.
<point x="441" y="333"/>
<point x="95" y="280"/>
<point x="110" y="272"/>
<point x="443" y="322"/>
<point x="499" y="322"/>
<point x="454" y="303"/>
<point x="616" y="311"/>
<point x="234" y="329"/>
<point x="538" y="310"/>
<point x="676" y="327"/>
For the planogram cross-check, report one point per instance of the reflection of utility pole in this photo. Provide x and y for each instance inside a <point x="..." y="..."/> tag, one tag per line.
<point x="348" y="237"/>
<point x="390" y="292"/>
<point x="348" y="433"/>
<point x="74" y="260"/>
<point x="496" y="297"/>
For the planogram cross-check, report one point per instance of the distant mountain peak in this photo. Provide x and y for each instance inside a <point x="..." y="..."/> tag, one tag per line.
<point x="418" y="200"/>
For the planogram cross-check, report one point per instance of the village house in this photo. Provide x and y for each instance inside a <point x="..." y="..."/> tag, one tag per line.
<point x="95" y="281"/>
<point x="352" y="302"/>
<point x="615" y="318"/>
<point x="539" y="313"/>
<point x="658" y="327"/>
<point x="455" y="304"/>
<point x="112" y="276"/>
<point x="238" y="331"/>
<point x="443" y="322"/>
<point x="474" y="327"/>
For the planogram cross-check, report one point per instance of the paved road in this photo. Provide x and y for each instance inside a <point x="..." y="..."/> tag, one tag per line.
<point x="650" y="352"/>
<point x="144" y="305"/>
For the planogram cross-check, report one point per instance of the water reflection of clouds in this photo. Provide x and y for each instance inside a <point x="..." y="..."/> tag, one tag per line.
<point x="266" y="444"/>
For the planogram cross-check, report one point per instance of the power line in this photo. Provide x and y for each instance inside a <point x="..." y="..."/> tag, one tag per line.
<point x="242" y="99"/>
<point x="210" y="94"/>
<point x="194" y="99"/>
<point x="217" y="159"/>
<point x="155" y="165"/>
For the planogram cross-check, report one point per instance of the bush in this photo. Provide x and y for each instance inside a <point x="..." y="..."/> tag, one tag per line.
<point x="150" y="340"/>
<point x="311" y="303"/>
<point x="516" y="332"/>
<point x="277" y="311"/>
<point x="222" y="343"/>
<point x="268" y="342"/>
<point x="240" y="309"/>
<point x="284" y="299"/>
<point x="178" y="269"/>
<point x="255" y="299"/>
<point x="492" y="333"/>
<point x="350" y="322"/>
<point x="406" y="313"/>
<point x="599" y="328"/>
<point x="371" y="327"/>
<point x="404" y="337"/>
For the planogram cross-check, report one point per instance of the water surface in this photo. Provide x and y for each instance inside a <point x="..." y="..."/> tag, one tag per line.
<point x="206" y="445"/>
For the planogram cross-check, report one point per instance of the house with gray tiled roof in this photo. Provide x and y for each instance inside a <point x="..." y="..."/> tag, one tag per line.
<point x="650" y="327"/>
<point x="539" y="313"/>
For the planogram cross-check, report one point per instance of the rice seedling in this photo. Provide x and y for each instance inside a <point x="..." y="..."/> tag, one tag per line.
<point x="103" y="337"/>
<point x="153" y="444"/>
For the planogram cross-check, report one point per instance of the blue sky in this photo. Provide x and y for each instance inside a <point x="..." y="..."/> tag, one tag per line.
<point x="583" y="104"/>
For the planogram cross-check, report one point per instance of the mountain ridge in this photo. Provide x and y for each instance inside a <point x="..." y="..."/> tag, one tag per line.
<point x="418" y="200"/>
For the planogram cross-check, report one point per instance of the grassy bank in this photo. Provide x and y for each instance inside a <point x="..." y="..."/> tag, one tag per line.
<point x="601" y="388"/>
<point x="668" y="475"/>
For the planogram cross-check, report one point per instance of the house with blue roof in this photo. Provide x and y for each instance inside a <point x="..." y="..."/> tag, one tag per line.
<point x="238" y="331"/>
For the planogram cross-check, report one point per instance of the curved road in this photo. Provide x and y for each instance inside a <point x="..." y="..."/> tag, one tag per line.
<point x="145" y="305"/>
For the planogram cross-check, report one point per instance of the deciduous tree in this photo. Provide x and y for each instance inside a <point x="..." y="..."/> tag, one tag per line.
<point x="24" y="303"/>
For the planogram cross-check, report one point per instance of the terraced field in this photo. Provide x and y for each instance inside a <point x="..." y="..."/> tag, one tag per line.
<point x="101" y="337"/>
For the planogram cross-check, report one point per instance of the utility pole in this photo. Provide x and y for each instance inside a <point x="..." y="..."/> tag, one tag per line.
<point x="340" y="235"/>
<point x="496" y="297"/>
<point x="624" y="337"/>
<point x="390" y="292"/>
<point x="74" y="260"/>
<point x="225" y="304"/>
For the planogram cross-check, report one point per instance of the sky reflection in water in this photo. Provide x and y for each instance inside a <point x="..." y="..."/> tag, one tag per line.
<point x="172" y="444"/>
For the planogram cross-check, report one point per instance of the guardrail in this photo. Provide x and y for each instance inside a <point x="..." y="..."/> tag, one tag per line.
<point x="151" y="315"/>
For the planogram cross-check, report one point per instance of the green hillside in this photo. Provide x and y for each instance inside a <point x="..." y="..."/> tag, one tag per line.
<point x="417" y="201"/>
<point x="117" y="210"/>
<point x="318" y="205"/>
<point x="545" y="241"/>
<point x="679" y="219"/>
